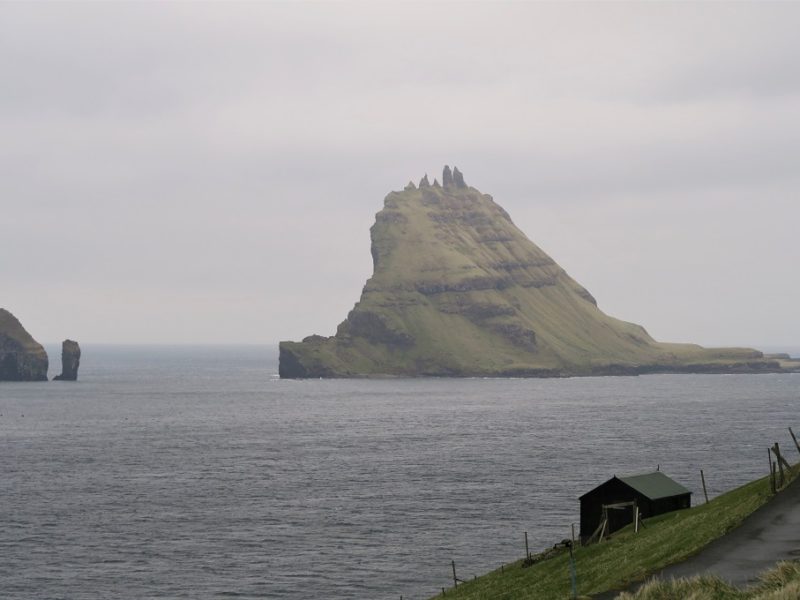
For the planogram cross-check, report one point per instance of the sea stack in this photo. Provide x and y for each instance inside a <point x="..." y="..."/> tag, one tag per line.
<point x="70" y="361"/>
<point x="458" y="290"/>
<point x="21" y="357"/>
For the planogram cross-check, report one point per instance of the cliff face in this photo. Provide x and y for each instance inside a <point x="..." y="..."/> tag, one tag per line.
<point x="70" y="361"/>
<point x="21" y="357"/>
<point x="458" y="290"/>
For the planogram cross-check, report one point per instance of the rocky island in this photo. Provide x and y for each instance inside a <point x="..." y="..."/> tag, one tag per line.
<point x="458" y="290"/>
<point x="70" y="361"/>
<point x="21" y="357"/>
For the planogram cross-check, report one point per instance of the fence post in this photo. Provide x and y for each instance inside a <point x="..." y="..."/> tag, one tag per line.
<point x="573" y="576"/>
<point x="703" y="479"/>
<point x="771" y="471"/>
<point x="781" y="458"/>
<point x="527" y="553"/>
<point x="797" y="445"/>
<point x="455" y="579"/>
<point x="774" y="479"/>
<point x="777" y="451"/>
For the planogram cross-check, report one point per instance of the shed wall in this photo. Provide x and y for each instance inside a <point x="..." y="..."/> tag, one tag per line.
<point x="615" y="491"/>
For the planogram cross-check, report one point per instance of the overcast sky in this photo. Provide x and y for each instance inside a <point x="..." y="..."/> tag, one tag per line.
<point x="195" y="173"/>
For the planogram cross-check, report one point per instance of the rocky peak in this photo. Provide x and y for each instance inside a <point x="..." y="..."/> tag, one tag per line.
<point x="451" y="179"/>
<point x="458" y="177"/>
<point x="447" y="177"/>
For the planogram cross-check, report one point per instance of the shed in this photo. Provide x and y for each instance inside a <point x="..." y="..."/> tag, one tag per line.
<point x="654" y="494"/>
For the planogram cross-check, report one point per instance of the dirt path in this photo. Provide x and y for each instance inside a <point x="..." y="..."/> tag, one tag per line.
<point x="769" y="535"/>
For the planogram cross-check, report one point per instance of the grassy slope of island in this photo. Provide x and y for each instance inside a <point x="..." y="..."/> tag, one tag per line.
<point x="626" y="557"/>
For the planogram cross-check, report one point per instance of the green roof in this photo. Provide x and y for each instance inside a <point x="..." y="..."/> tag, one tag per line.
<point x="655" y="485"/>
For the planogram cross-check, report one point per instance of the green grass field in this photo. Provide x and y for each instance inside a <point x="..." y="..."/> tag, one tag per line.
<point x="624" y="558"/>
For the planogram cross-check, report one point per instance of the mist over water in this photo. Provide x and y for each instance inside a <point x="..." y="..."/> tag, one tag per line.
<point x="177" y="472"/>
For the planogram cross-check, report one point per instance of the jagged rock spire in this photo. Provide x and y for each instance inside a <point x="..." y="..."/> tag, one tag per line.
<point x="410" y="186"/>
<point x="447" y="177"/>
<point x="450" y="179"/>
<point x="458" y="178"/>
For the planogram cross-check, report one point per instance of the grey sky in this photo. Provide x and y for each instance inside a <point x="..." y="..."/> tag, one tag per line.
<point x="209" y="172"/>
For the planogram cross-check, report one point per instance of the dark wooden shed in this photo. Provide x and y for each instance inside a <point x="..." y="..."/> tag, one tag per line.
<point x="654" y="494"/>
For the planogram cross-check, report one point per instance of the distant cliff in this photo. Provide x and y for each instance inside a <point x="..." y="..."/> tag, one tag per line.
<point x="459" y="290"/>
<point x="21" y="357"/>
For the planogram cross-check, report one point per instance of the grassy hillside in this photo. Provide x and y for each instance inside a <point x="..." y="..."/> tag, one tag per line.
<point x="626" y="557"/>
<point x="458" y="289"/>
<point x="780" y="583"/>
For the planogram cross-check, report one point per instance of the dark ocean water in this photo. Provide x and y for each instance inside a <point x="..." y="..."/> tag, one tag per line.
<point x="197" y="473"/>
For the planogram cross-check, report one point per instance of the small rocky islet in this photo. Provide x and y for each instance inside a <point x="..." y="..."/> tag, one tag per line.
<point x="70" y="361"/>
<point x="458" y="290"/>
<point x="22" y="358"/>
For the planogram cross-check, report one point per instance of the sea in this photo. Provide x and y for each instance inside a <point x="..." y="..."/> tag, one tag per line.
<point x="195" y="472"/>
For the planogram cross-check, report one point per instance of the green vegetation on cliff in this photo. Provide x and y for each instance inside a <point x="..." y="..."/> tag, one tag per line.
<point x="459" y="290"/>
<point x="21" y="357"/>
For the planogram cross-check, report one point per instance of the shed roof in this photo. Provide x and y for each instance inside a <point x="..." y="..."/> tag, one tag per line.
<point x="655" y="485"/>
